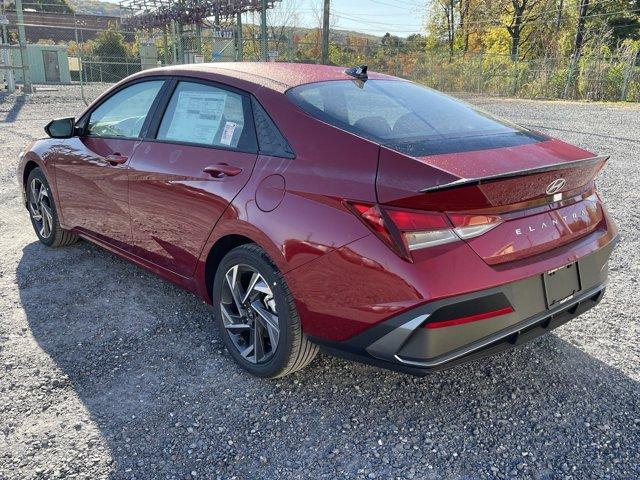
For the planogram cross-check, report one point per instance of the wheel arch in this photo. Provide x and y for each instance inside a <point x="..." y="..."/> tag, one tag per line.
<point x="216" y="253"/>
<point x="28" y="165"/>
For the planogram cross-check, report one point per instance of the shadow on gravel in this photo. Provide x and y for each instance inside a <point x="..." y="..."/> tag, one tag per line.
<point x="14" y="111"/>
<point x="168" y="401"/>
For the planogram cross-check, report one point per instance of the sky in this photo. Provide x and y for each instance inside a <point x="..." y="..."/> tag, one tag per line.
<point x="398" y="17"/>
<point x="376" y="17"/>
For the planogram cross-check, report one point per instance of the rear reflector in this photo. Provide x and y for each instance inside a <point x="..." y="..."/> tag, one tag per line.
<point x="470" y="318"/>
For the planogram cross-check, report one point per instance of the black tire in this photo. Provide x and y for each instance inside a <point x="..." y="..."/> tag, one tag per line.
<point x="294" y="351"/>
<point x="51" y="235"/>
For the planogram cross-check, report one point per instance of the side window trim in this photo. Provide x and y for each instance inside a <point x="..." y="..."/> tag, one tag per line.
<point x="83" y="121"/>
<point x="160" y="109"/>
<point x="172" y="84"/>
<point x="283" y="149"/>
<point x="148" y="121"/>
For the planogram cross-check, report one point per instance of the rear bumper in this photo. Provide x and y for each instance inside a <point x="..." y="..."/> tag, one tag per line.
<point x="402" y="343"/>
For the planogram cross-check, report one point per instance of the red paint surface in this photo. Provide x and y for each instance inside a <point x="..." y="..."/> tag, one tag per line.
<point x="175" y="204"/>
<point x="94" y="194"/>
<point x="524" y="234"/>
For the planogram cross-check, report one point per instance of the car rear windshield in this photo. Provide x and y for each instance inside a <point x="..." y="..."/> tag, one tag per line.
<point x="406" y="117"/>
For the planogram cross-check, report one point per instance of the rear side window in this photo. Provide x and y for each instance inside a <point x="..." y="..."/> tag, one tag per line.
<point x="206" y="115"/>
<point x="270" y="140"/>
<point x="123" y="114"/>
<point x="406" y="117"/>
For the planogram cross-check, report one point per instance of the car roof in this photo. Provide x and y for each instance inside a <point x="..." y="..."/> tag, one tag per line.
<point x="273" y="75"/>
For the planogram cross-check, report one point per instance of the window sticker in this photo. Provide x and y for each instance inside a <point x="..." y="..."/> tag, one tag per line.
<point x="227" y="133"/>
<point x="197" y="116"/>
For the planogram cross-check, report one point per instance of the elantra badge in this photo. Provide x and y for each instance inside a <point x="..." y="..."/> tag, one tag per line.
<point x="582" y="214"/>
<point x="555" y="186"/>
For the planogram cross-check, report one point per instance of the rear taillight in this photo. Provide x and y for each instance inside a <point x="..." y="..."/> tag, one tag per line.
<point x="473" y="225"/>
<point x="373" y="218"/>
<point x="407" y="230"/>
<point x="421" y="229"/>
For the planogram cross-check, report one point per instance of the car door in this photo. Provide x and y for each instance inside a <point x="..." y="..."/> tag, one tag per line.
<point x="91" y="171"/>
<point x="200" y="152"/>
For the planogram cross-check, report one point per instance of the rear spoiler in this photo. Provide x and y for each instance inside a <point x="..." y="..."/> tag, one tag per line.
<point x="463" y="182"/>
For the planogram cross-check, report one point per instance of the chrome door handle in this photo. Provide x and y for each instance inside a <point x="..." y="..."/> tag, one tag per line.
<point x="222" y="170"/>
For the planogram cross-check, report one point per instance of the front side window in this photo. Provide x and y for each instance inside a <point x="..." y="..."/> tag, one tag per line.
<point x="205" y="115"/>
<point x="123" y="114"/>
<point x="406" y="117"/>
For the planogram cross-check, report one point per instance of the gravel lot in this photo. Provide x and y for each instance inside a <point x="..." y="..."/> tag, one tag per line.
<point x="109" y="372"/>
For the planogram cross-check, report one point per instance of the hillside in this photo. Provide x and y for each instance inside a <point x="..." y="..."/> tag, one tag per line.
<point x="55" y="6"/>
<point x="95" y="7"/>
<point x="90" y="7"/>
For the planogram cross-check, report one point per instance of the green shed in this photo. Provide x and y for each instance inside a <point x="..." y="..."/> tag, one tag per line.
<point x="48" y="64"/>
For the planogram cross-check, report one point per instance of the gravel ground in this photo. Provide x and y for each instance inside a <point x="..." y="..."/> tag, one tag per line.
<point x="109" y="372"/>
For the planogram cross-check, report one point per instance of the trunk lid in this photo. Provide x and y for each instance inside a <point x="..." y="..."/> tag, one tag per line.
<point x="543" y="193"/>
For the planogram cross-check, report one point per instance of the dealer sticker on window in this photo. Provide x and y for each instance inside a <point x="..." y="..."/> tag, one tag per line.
<point x="197" y="117"/>
<point x="227" y="133"/>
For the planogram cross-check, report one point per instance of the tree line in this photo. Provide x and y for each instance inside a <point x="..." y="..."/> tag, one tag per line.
<point x="531" y="28"/>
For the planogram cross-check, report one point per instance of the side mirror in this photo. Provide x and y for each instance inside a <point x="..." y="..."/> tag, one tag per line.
<point x="61" y="128"/>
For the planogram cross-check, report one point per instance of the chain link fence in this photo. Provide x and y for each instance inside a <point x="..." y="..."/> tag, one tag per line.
<point x="595" y="76"/>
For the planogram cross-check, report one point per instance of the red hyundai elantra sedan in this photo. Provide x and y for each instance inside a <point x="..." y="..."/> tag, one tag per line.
<point x="317" y="206"/>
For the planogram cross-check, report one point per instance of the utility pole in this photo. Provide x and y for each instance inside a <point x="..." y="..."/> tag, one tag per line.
<point x="174" y="42"/>
<point x="198" y="42"/>
<point x="325" y="33"/>
<point x="239" y="39"/>
<point x="165" y="45"/>
<point x="5" y="57"/>
<point x="24" y="54"/>
<point x="263" y="31"/>
<point x="4" y="22"/>
<point x="79" y="56"/>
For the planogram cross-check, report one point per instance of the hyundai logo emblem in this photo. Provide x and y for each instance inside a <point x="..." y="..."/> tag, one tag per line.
<point x="555" y="186"/>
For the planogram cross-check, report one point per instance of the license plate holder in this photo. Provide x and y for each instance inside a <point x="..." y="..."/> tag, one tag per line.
<point x="561" y="284"/>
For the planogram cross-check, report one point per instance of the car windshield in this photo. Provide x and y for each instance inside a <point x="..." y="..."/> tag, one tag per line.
<point x="406" y="117"/>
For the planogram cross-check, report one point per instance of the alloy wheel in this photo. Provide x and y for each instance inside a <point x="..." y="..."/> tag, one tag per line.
<point x="249" y="313"/>
<point x="40" y="207"/>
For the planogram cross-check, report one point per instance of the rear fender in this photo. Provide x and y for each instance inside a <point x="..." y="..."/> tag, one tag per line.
<point x="293" y="227"/>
